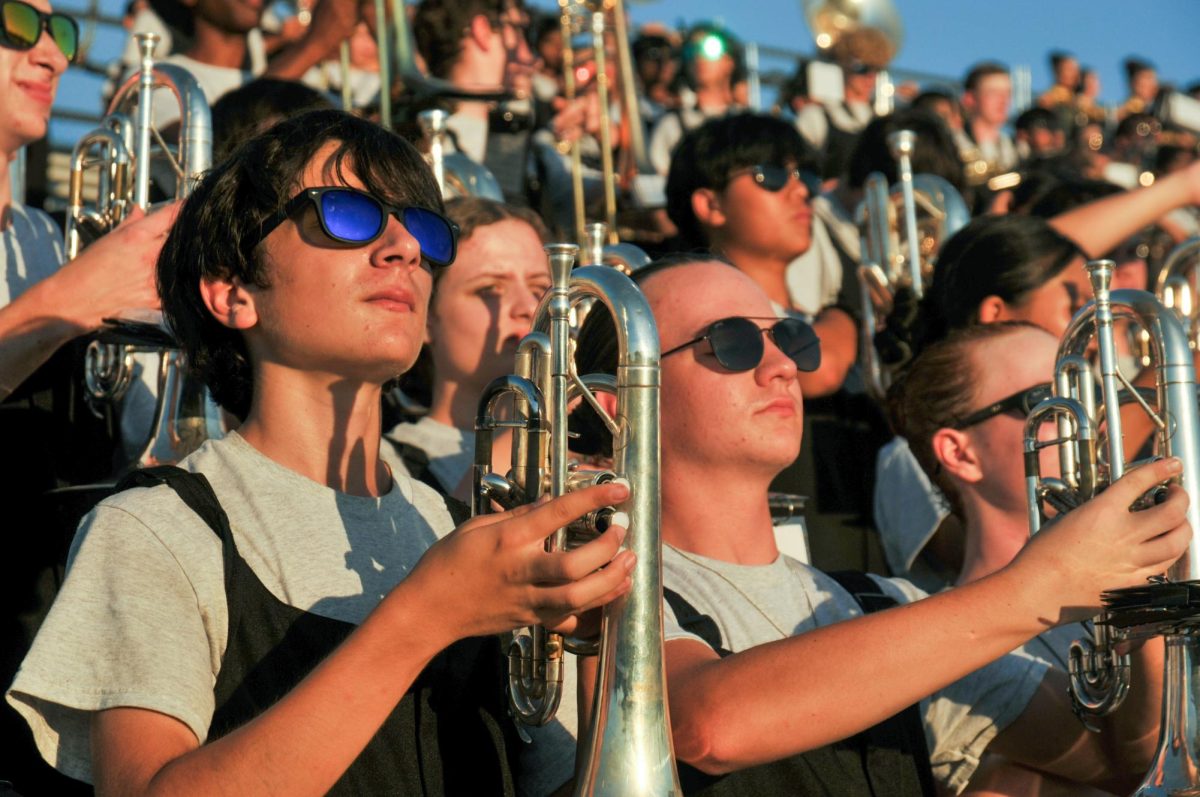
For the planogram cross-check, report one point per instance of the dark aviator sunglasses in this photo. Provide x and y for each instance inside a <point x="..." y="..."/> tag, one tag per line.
<point x="737" y="343"/>
<point x="23" y="26"/>
<point x="354" y="217"/>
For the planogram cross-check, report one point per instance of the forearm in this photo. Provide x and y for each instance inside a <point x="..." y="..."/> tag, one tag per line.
<point x="31" y="330"/>
<point x="839" y="350"/>
<point x="1130" y="734"/>
<point x="307" y="740"/>
<point x="806" y="691"/>
<point x="1100" y="226"/>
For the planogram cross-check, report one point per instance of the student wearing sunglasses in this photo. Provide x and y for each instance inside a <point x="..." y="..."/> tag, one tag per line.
<point x="776" y="683"/>
<point x="962" y="407"/>
<point x="303" y="619"/>
<point x="47" y="308"/>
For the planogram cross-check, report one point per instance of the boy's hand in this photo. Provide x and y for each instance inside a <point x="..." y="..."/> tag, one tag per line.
<point x="493" y="573"/>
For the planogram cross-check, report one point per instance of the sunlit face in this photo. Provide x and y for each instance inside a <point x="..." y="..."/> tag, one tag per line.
<point x="28" y="83"/>
<point x="1144" y="85"/>
<point x="712" y="417"/>
<point x="351" y="312"/>
<point x="776" y="224"/>
<point x="1052" y="304"/>
<point x="1002" y="366"/>
<point x="485" y="302"/>
<point x="230" y="16"/>
<point x="1068" y="73"/>
<point x="993" y="98"/>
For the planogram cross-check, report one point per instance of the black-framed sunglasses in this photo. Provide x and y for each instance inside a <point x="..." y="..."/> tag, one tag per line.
<point x="737" y="342"/>
<point x="23" y="26"/>
<point x="1022" y="402"/>
<point x="775" y="178"/>
<point x="354" y="217"/>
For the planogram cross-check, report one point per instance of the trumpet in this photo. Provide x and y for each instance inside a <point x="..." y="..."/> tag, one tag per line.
<point x="1091" y="455"/>
<point x="901" y="229"/>
<point x="628" y="748"/>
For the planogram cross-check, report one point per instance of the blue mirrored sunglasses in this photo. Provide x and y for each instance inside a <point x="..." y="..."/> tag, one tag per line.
<point x="354" y="217"/>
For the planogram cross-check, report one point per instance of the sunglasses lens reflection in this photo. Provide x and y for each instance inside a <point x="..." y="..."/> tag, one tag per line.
<point x="433" y="233"/>
<point x="351" y="216"/>
<point x="737" y="343"/>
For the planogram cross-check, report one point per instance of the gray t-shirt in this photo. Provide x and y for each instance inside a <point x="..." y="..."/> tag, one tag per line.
<point x="31" y="249"/>
<point x="141" y="619"/>
<point x="756" y="604"/>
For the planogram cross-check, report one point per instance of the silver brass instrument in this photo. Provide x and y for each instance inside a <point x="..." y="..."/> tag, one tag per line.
<point x="623" y="256"/>
<point x="456" y="174"/>
<point x="628" y="749"/>
<point x="1091" y="455"/>
<point x="1176" y="286"/>
<point x="124" y="149"/>
<point x="901" y="229"/>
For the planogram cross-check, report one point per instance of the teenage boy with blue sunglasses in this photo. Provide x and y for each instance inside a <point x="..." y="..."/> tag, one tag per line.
<point x="314" y="623"/>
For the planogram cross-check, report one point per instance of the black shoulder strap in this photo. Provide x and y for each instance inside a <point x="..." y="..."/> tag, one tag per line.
<point x="195" y="491"/>
<point x="694" y="621"/>
<point x="907" y="723"/>
<point x="460" y="513"/>
<point x="416" y="461"/>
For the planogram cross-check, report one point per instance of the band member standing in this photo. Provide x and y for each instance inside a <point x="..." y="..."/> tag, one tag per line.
<point x="987" y="99"/>
<point x="348" y="630"/>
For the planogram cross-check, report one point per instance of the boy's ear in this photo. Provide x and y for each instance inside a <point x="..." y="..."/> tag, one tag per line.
<point x="706" y="205"/>
<point x="230" y="302"/>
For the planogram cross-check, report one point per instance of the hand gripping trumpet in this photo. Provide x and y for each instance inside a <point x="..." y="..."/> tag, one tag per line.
<point x="628" y="749"/>
<point x="1091" y="456"/>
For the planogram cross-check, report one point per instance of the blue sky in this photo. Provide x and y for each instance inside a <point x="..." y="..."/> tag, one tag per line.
<point x="941" y="36"/>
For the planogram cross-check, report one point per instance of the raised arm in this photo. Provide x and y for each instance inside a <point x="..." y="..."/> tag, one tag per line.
<point x="786" y="697"/>
<point x="489" y="575"/>
<point x="1101" y="225"/>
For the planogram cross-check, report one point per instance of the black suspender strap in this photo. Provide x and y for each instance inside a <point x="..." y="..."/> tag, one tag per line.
<point x="907" y="723"/>
<point x="694" y="621"/>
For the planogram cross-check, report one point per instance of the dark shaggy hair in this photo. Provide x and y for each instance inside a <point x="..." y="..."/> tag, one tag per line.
<point x="438" y="28"/>
<point x="709" y="154"/>
<point x="246" y="111"/>
<point x="934" y="152"/>
<point x="228" y="207"/>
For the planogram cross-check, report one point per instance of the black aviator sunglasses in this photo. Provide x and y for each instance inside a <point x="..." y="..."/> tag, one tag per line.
<point x="737" y="342"/>
<point x="354" y="217"/>
<point x="23" y="26"/>
<point x="1021" y="402"/>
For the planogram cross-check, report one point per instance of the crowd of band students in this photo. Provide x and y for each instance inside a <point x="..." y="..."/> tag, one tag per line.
<point x="318" y="614"/>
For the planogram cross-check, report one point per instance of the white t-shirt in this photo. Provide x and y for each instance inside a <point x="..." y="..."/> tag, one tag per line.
<point x="756" y="604"/>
